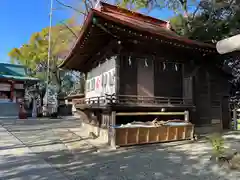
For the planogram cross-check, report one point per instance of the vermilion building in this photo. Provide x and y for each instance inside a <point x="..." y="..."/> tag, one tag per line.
<point x="13" y="81"/>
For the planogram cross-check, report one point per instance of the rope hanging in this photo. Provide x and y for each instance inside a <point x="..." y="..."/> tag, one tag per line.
<point x="129" y="61"/>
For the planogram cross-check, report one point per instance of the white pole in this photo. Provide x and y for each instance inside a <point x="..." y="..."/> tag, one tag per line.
<point x="97" y="4"/>
<point x="49" y="50"/>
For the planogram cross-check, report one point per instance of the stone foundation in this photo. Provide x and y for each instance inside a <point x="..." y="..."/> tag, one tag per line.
<point x="101" y="133"/>
<point x="97" y="123"/>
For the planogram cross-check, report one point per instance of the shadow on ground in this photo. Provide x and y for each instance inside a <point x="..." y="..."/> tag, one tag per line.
<point x="162" y="161"/>
<point x="26" y="167"/>
<point x="146" y="163"/>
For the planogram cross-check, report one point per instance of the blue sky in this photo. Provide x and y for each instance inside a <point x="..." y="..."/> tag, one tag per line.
<point x="20" y="20"/>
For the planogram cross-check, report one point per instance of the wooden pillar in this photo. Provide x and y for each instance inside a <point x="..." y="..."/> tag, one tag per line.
<point x="12" y="90"/>
<point x="235" y="118"/>
<point x="117" y="74"/>
<point x="209" y="98"/>
<point x="221" y="113"/>
<point x="85" y="85"/>
<point x="112" y="137"/>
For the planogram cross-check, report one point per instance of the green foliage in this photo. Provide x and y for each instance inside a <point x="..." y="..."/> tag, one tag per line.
<point x="207" y="21"/>
<point x="178" y="6"/>
<point x="178" y="23"/>
<point x="34" y="54"/>
<point x="217" y="143"/>
<point x="210" y="22"/>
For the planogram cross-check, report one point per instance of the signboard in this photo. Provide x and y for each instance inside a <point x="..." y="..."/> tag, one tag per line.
<point x="102" y="84"/>
<point x="228" y="45"/>
<point x="101" y="79"/>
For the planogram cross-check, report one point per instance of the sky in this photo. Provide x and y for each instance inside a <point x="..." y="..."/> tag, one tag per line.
<point x="20" y="20"/>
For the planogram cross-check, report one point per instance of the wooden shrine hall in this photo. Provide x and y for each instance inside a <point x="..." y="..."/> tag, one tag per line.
<point x="144" y="83"/>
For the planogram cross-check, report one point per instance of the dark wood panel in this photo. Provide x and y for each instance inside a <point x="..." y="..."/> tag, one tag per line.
<point x="226" y="117"/>
<point x="188" y="88"/>
<point x="201" y="90"/>
<point x="145" y="77"/>
<point x="167" y="79"/>
<point x="128" y="75"/>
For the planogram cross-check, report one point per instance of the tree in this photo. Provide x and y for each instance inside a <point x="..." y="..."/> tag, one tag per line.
<point x="212" y="22"/>
<point x="34" y="55"/>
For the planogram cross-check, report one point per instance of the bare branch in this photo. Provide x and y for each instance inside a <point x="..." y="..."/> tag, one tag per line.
<point x="74" y="34"/>
<point x="86" y="6"/>
<point x="70" y="7"/>
<point x="196" y="10"/>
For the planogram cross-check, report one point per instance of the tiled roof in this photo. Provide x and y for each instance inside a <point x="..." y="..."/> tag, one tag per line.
<point x="137" y="19"/>
<point x="144" y="23"/>
<point x="13" y="71"/>
<point x="136" y="22"/>
<point x="23" y="78"/>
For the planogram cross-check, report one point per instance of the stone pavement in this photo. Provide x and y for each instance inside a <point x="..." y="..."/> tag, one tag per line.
<point x="17" y="162"/>
<point x="72" y="155"/>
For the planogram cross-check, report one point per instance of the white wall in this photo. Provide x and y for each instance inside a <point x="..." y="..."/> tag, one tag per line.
<point x="101" y="80"/>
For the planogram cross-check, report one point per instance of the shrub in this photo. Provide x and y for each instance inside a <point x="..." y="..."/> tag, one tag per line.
<point x="217" y="143"/>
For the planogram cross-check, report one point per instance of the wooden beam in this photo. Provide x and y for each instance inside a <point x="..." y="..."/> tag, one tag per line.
<point x="99" y="54"/>
<point x="112" y="130"/>
<point x="148" y="113"/>
<point x="117" y="73"/>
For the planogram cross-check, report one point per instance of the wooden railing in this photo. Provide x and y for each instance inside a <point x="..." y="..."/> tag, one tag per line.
<point x="92" y="100"/>
<point x="126" y="99"/>
<point x="132" y="100"/>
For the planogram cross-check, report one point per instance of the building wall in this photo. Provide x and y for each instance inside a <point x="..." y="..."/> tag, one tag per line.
<point x="145" y="76"/>
<point x="128" y="75"/>
<point x="11" y="91"/>
<point x="203" y="86"/>
<point x="101" y="80"/>
<point x="5" y="91"/>
<point x="9" y="95"/>
<point x="210" y="93"/>
<point x="168" y="79"/>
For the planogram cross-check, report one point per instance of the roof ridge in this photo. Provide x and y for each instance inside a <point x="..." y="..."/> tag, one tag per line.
<point x="105" y="7"/>
<point x="19" y="65"/>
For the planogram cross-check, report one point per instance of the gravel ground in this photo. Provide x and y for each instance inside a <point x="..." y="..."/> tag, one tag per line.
<point x="69" y="153"/>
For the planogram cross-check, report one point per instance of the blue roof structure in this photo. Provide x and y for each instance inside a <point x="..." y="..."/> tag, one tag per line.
<point x="15" y="72"/>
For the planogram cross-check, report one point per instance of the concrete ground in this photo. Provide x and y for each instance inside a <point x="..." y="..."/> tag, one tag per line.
<point x="52" y="149"/>
<point x="18" y="162"/>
